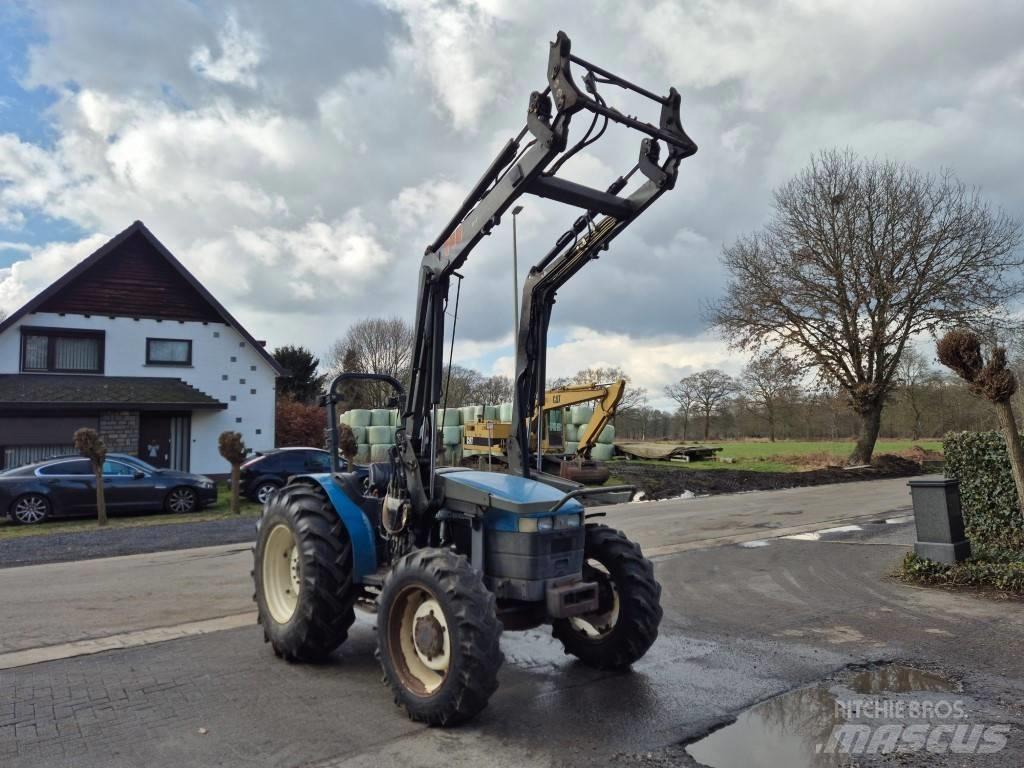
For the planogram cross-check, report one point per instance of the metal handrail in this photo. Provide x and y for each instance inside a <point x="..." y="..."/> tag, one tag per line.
<point x="591" y="492"/>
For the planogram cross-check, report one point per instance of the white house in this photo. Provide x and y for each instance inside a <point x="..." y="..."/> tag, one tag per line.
<point x="129" y="343"/>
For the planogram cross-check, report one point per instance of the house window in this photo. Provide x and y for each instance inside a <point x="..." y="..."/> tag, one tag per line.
<point x="60" y="350"/>
<point x="168" y="352"/>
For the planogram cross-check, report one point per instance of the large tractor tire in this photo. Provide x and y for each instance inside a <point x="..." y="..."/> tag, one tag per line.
<point x="438" y="637"/>
<point x="303" y="574"/>
<point x="625" y="624"/>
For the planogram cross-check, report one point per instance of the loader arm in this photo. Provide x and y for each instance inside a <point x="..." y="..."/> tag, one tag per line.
<point x="604" y="412"/>
<point x="530" y="166"/>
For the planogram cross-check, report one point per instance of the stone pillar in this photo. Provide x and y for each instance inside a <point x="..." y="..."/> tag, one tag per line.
<point x="120" y="431"/>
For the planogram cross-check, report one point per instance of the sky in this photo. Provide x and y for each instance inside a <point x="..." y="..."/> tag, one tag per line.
<point x="298" y="157"/>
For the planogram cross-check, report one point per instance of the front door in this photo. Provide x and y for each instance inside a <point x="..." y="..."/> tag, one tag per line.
<point x="165" y="438"/>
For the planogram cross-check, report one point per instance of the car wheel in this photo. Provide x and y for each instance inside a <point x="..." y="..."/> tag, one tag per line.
<point x="265" y="490"/>
<point x="30" y="509"/>
<point x="181" y="501"/>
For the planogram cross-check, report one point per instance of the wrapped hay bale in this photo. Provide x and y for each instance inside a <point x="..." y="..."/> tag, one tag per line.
<point x="380" y="417"/>
<point x="607" y="435"/>
<point x="471" y="414"/>
<point x="358" y="417"/>
<point x="505" y="412"/>
<point x="362" y="453"/>
<point x="379" y="453"/>
<point x="581" y="414"/>
<point x="602" y="452"/>
<point x="451" y="436"/>
<point x="571" y="447"/>
<point x="449" y="417"/>
<point x="360" y="434"/>
<point x="344" y="418"/>
<point x="490" y="413"/>
<point x="381" y="435"/>
<point x="393" y="418"/>
<point x="570" y="433"/>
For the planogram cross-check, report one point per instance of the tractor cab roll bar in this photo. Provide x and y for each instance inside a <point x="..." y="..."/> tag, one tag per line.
<point x="530" y="166"/>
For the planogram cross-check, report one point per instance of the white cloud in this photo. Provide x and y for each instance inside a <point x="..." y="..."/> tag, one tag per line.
<point x="240" y="54"/>
<point x="27" y="277"/>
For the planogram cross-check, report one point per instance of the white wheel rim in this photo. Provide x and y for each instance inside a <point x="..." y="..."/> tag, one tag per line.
<point x="596" y="626"/>
<point x="281" y="574"/>
<point x="30" y="509"/>
<point x="264" y="493"/>
<point x="422" y="666"/>
<point x="181" y="501"/>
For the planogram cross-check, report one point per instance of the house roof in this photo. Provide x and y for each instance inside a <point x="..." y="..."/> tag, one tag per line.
<point x="205" y="306"/>
<point x="27" y="391"/>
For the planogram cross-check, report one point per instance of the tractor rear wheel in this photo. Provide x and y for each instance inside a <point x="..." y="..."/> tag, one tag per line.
<point x="303" y="574"/>
<point x="625" y="624"/>
<point x="438" y="636"/>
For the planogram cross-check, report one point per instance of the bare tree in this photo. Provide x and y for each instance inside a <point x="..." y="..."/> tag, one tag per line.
<point x="711" y="389"/>
<point x="685" y="394"/>
<point x="91" y="446"/>
<point x="459" y="385"/>
<point x="769" y="382"/>
<point x="374" y="345"/>
<point x="860" y="256"/>
<point x="492" y="390"/>
<point x="914" y="377"/>
<point x="960" y="350"/>
<point x="232" y="448"/>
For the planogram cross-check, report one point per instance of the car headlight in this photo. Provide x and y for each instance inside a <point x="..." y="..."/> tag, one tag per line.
<point x="206" y="483"/>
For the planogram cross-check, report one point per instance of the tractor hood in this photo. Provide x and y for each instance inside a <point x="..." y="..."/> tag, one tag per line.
<point x="509" y="493"/>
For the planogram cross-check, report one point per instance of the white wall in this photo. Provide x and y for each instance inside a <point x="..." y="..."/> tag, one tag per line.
<point x="213" y="347"/>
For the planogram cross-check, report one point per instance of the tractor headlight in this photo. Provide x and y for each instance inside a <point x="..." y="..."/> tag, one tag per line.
<point x="567" y="521"/>
<point x="535" y="524"/>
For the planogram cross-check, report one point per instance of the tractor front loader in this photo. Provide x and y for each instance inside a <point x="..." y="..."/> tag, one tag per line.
<point x="449" y="557"/>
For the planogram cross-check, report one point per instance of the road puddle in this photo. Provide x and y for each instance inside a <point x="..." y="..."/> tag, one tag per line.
<point x="794" y="728"/>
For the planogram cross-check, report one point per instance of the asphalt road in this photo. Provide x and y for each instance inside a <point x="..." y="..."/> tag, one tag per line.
<point x="57" y="603"/>
<point x="742" y="623"/>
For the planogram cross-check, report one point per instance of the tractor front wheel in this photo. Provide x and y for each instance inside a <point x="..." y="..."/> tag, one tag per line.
<point x="439" y="637"/>
<point x="625" y="624"/>
<point x="303" y="574"/>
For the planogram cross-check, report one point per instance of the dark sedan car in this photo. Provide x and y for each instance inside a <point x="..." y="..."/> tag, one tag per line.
<point x="66" y="487"/>
<point x="265" y="473"/>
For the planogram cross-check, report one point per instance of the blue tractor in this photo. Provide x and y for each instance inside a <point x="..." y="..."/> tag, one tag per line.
<point x="448" y="557"/>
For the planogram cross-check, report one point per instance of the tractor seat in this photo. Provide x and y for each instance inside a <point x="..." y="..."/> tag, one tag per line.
<point x="380" y="476"/>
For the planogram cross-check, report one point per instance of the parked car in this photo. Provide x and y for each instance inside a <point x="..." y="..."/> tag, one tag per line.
<point x="266" y="472"/>
<point x="66" y="487"/>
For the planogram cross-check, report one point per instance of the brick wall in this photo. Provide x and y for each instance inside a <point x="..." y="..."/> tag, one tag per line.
<point x="120" y="431"/>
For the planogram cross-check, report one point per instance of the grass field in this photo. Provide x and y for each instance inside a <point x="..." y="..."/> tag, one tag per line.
<point x="792" y="455"/>
<point x="217" y="511"/>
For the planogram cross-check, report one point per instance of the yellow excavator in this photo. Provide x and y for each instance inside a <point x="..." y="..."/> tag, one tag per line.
<point x="491" y="436"/>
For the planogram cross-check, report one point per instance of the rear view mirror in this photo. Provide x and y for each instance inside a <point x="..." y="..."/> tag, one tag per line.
<point x="138" y="474"/>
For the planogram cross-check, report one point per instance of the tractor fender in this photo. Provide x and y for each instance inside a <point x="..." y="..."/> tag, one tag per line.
<point x="360" y="530"/>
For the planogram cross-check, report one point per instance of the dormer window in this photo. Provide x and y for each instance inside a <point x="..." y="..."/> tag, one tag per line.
<point x="168" y="352"/>
<point x="61" y="350"/>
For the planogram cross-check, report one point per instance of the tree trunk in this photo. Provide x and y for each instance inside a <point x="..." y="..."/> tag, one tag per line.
<point x="771" y="427"/>
<point x="1009" y="426"/>
<point x="235" y="482"/>
<point x="101" y="502"/>
<point x="707" y="425"/>
<point x="686" y="422"/>
<point x="870" y="423"/>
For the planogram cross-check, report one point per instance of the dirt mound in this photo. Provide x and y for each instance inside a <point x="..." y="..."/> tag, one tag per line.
<point x="669" y="481"/>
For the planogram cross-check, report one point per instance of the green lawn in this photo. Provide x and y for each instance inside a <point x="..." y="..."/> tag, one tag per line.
<point x="783" y="455"/>
<point x="217" y="511"/>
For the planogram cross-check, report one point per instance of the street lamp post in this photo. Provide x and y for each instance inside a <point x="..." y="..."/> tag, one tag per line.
<point x="515" y="278"/>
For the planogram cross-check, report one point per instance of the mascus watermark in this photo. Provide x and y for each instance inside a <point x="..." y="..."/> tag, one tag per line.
<point x="960" y="739"/>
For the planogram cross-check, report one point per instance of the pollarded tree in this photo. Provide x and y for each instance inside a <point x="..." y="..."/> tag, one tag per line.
<point x="90" y="445"/>
<point x="770" y="381"/>
<point x="232" y="449"/>
<point x="960" y="351"/>
<point x="859" y="257"/>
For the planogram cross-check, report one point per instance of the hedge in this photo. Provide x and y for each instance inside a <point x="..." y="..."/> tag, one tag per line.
<point x="987" y="494"/>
